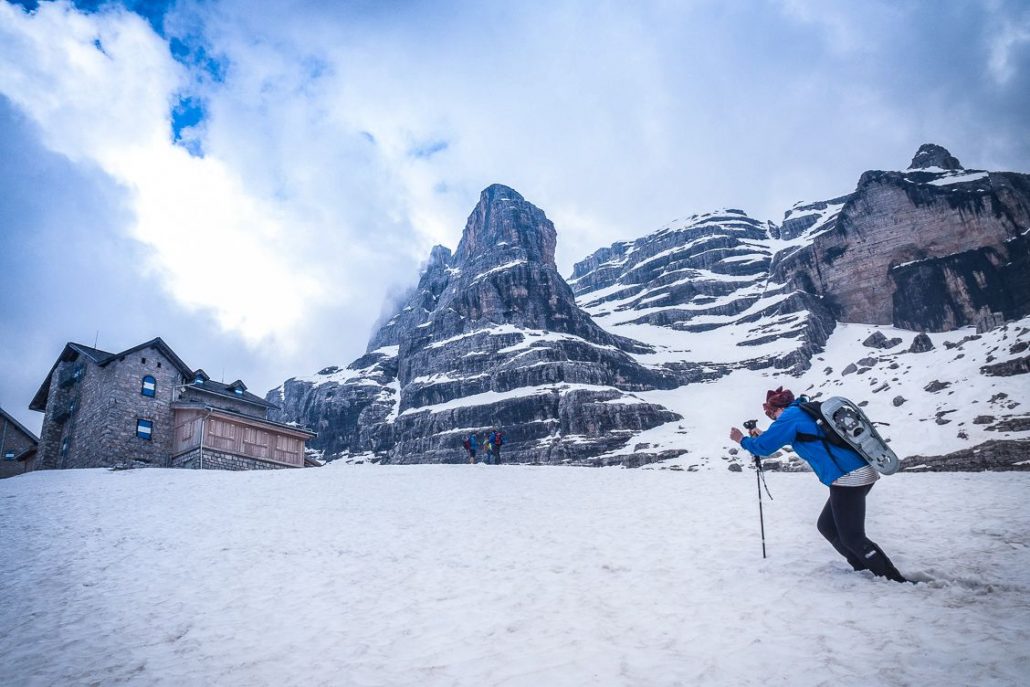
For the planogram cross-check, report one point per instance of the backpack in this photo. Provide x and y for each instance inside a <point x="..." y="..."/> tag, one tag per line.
<point x="842" y="415"/>
<point x="498" y="439"/>
<point x="814" y="409"/>
<point x="466" y="444"/>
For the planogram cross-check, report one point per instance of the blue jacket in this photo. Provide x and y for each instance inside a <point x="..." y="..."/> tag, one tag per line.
<point x="827" y="466"/>
<point x="473" y="442"/>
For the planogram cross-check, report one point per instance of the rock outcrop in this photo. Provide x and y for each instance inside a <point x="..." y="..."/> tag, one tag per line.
<point x="706" y="274"/>
<point x="927" y="249"/>
<point x="494" y="337"/>
<point x="931" y="156"/>
<point x="491" y="338"/>
<point x="992" y="455"/>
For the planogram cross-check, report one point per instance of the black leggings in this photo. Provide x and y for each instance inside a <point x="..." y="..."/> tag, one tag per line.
<point x="842" y="522"/>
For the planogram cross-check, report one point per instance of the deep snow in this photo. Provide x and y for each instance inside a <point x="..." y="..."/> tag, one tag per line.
<point x="481" y="575"/>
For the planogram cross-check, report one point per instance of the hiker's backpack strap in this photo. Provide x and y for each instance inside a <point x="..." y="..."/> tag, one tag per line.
<point x="812" y="409"/>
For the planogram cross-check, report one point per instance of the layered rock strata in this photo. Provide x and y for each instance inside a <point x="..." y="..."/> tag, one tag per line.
<point x="491" y="338"/>
<point x="492" y="335"/>
<point x="706" y="274"/>
<point x="928" y="248"/>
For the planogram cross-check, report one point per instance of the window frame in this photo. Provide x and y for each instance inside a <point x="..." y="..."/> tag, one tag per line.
<point x="143" y="386"/>
<point x="144" y="424"/>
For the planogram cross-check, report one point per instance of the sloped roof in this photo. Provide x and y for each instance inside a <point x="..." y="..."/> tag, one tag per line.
<point x="161" y="346"/>
<point x="102" y="359"/>
<point x="226" y="391"/>
<point x="177" y="405"/>
<point x="93" y="353"/>
<point x="7" y="416"/>
<point x="27" y="453"/>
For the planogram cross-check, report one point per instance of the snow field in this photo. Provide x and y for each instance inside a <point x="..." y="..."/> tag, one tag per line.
<point x="510" y="575"/>
<point x="710" y="409"/>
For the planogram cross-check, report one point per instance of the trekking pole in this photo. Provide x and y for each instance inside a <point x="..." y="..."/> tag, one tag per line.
<point x="761" y="517"/>
<point x="759" y="479"/>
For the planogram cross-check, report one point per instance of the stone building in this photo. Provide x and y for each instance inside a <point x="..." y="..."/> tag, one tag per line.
<point x="146" y="407"/>
<point x="17" y="446"/>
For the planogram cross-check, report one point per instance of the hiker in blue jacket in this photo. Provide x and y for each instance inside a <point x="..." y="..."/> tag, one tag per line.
<point x="842" y="469"/>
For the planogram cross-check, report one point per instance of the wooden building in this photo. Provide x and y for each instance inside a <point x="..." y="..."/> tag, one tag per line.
<point x="145" y="407"/>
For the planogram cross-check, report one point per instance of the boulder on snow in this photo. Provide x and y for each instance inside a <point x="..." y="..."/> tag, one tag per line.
<point x="878" y="340"/>
<point x="875" y="340"/>
<point x="735" y="467"/>
<point x="921" y="344"/>
<point x="935" y="386"/>
<point x="898" y="401"/>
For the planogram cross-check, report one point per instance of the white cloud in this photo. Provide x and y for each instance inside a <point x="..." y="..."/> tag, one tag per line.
<point x="614" y="118"/>
<point x="100" y="88"/>
<point x="1009" y="37"/>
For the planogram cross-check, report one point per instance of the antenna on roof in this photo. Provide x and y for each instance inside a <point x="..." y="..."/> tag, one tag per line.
<point x="96" y="339"/>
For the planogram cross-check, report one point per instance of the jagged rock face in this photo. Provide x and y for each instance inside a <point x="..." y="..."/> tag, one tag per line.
<point x="809" y="218"/>
<point x="504" y="220"/>
<point x="933" y="156"/>
<point x="348" y="408"/>
<point x="491" y="338"/>
<point x="420" y="304"/>
<point x="707" y="273"/>
<point x="921" y="250"/>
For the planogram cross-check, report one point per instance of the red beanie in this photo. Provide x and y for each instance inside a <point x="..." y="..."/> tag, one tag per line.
<point x="780" y="398"/>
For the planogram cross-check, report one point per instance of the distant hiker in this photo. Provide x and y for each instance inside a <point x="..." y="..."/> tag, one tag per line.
<point x="496" y="439"/>
<point x="843" y="470"/>
<point x="488" y="452"/>
<point x="470" y="445"/>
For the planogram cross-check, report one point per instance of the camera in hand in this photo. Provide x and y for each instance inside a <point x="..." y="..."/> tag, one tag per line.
<point x="750" y="424"/>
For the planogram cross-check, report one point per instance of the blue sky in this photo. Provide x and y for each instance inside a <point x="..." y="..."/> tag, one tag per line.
<point x="252" y="180"/>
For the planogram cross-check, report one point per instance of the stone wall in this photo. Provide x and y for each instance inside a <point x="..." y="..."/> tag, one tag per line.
<point x="12" y="440"/>
<point x="59" y="397"/>
<point x="216" y="460"/>
<point x="97" y="414"/>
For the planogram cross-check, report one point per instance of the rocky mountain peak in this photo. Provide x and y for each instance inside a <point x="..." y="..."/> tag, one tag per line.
<point x="504" y="222"/>
<point x="931" y="155"/>
<point x="438" y="257"/>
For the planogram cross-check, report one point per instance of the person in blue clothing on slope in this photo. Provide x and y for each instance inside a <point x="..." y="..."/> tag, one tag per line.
<point x="843" y="470"/>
